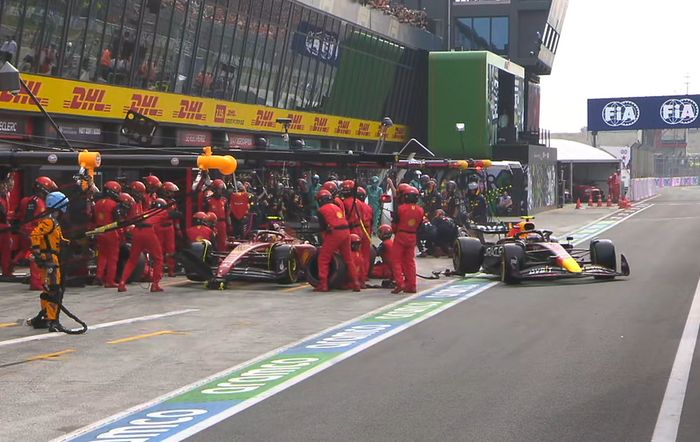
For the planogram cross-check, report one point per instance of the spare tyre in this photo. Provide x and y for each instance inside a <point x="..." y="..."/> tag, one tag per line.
<point x="336" y="275"/>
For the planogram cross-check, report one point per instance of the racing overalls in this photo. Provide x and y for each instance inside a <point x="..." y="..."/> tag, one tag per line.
<point x="407" y="220"/>
<point x="143" y="239"/>
<point x="366" y="236"/>
<point x="311" y="198"/>
<point x="198" y="233"/>
<point x="374" y="195"/>
<point x="383" y="269"/>
<point x="240" y="207"/>
<point x="5" y="236"/>
<point x="219" y="205"/>
<point x="108" y="243"/>
<point x="336" y="237"/>
<point x="354" y="214"/>
<point x="46" y="241"/>
<point x="163" y="225"/>
<point x="29" y="208"/>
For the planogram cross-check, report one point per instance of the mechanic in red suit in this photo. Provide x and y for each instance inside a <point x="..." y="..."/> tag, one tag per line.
<point x="367" y="219"/>
<point x="162" y="222"/>
<point x="383" y="270"/>
<point x="354" y="215"/>
<point x="137" y="190"/>
<point x="30" y="207"/>
<point x="153" y="185"/>
<point x="167" y="192"/>
<point x="106" y="211"/>
<point x="240" y="207"/>
<point x="614" y="184"/>
<point x="407" y="220"/>
<point x="332" y="187"/>
<point x="200" y="229"/>
<point x="356" y="252"/>
<point x="143" y="239"/>
<point x="336" y="237"/>
<point x="218" y="204"/>
<point x="6" y="216"/>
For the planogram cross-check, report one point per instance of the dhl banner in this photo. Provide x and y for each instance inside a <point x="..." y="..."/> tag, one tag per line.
<point x="61" y="96"/>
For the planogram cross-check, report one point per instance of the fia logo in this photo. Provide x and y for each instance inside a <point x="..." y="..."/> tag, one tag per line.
<point x="675" y="111"/>
<point x="620" y="113"/>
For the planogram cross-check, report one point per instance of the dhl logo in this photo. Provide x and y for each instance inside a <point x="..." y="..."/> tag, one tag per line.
<point x="343" y="127"/>
<point x="190" y="110"/>
<point x="296" y="123"/>
<point x="89" y="99"/>
<point x="264" y="118"/>
<point x="23" y="97"/>
<point x="399" y="133"/>
<point x="363" y="131"/>
<point x="320" y="125"/>
<point x="145" y="105"/>
<point x="220" y="113"/>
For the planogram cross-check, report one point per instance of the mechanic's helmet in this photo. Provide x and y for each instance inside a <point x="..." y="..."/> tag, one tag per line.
<point x="57" y="201"/>
<point x="127" y="201"/>
<point x="315" y="179"/>
<point x="451" y="186"/>
<point x="355" y="242"/>
<point x="347" y="187"/>
<point x="44" y="185"/>
<point x="411" y="195"/>
<point x="403" y="187"/>
<point x="137" y="187"/>
<point x="385" y="232"/>
<point x="374" y="180"/>
<point x="199" y="219"/>
<point x="361" y="193"/>
<point x="424" y="179"/>
<point x="432" y="184"/>
<point x="330" y="186"/>
<point x="112" y="189"/>
<point x="240" y="186"/>
<point x="324" y="197"/>
<point x="169" y="188"/>
<point x="418" y="173"/>
<point x="158" y="203"/>
<point x="473" y="186"/>
<point x="152" y="183"/>
<point x="212" y="219"/>
<point x="439" y="213"/>
<point x="218" y="185"/>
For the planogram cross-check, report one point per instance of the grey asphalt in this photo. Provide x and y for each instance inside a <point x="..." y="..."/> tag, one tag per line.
<point x="44" y="399"/>
<point x="584" y="361"/>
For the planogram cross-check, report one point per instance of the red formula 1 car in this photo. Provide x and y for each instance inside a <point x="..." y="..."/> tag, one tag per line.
<point x="270" y="255"/>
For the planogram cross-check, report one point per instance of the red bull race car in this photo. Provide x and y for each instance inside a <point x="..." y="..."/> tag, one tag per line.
<point x="270" y="255"/>
<point x="525" y="253"/>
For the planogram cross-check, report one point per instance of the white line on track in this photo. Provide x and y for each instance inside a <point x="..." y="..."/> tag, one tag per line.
<point x="98" y="326"/>
<point x="669" y="418"/>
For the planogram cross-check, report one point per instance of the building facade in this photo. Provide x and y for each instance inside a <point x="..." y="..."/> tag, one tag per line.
<point x="214" y="71"/>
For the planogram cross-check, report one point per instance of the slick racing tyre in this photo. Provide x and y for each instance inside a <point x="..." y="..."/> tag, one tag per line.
<point x="511" y="263"/>
<point x="468" y="255"/>
<point x="336" y="274"/>
<point x="603" y="254"/>
<point x="284" y="260"/>
<point x="196" y="261"/>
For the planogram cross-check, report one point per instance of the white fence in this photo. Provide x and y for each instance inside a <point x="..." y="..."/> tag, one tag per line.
<point x="641" y="188"/>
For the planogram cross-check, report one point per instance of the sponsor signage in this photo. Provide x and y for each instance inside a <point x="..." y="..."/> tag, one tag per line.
<point x="196" y="138"/>
<point x="664" y="112"/>
<point x="68" y="97"/>
<point x="82" y="131"/>
<point x="14" y="128"/>
<point x="317" y="43"/>
<point x="240" y="141"/>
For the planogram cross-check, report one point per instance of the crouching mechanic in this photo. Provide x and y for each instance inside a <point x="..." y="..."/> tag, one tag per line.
<point x="336" y="237"/>
<point x="382" y="270"/>
<point x="407" y="220"/>
<point x="46" y="242"/>
<point x="200" y="229"/>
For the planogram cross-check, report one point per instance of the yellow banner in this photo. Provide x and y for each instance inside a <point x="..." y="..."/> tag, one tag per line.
<point x="69" y="97"/>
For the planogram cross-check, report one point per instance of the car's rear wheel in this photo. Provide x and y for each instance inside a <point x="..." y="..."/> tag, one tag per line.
<point x="336" y="274"/>
<point x="284" y="259"/>
<point x="511" y="263"/>
<point x="603" y="254"/>
<point x="468" y="255"/>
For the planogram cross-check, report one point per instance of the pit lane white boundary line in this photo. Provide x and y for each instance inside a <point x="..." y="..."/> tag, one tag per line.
<point x="98" y="326"/>
<point x="669" y="419"/>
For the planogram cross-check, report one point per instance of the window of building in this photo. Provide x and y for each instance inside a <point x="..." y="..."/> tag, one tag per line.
<point x="482" y="33"/>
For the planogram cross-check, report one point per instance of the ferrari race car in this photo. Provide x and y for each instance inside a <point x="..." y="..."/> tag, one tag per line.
<point x="532" y="254"/>
<point x="270" y="255"/>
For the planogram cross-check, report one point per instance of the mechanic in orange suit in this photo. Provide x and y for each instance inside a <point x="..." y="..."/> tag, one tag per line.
<point x="143" y="239"/>
<point x="385" y="250"/>
<point x="106" y="211"/>
<point x="336" y="237"/>
<point x="407" y="220"/>
<point x="240" y="207"/>
<point x="218" y="204"/>
<point x="200" y="230"/>
<point x="30" y="208"/>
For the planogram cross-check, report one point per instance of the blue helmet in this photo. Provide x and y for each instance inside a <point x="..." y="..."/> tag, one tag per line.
<point x="57" y="201"/>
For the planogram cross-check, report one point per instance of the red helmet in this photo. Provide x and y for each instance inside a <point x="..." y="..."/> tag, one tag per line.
<point x="199" y="219"/>
<point x="385" y="232"/>
<point x="355" y="238"/>
<point x="361" y="193"/>
<point x="212" y="218"/>
<point x="45" y="184"/>
<point x="152" y="182"/>
<point x="403" y="187"/>
<point x="137" y="187"/>
<point x="324" y="197"/>
<point x="330" y="186"/>
<point x="169" y="186"/>
<point x="411" y="195"/>
<point x="347" y="186"/>
<point x="218" y="185"/>
<point x="159" y="203"/>
<point x="126" y="200"/>
<point x="112" y="189"/>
